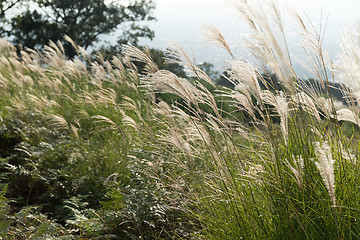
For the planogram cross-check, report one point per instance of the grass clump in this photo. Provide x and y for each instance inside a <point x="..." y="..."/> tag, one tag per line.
<point x="92" y="149"/>
<point x="284" y="172"/>
<point x="72" y="136"/>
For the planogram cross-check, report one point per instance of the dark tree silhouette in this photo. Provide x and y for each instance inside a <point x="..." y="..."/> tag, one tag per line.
<point x="82" y="20"/>
<point x="5" y="6"/>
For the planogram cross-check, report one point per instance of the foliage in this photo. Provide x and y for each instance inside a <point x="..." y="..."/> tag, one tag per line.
<point x="208" y="68"/>
<point x="90" y="149"/>
<point x="6" y="6"/>
<point x="66" y="164"/>
<point x="83" y="21"/>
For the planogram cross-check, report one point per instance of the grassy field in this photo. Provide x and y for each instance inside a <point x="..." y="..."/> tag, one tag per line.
<point x="91" y="149"/>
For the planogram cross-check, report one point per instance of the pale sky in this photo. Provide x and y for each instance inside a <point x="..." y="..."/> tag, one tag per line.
<point x="182" y="21"/>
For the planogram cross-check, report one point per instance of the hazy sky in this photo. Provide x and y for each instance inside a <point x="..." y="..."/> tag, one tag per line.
<point x="182" y="21"/>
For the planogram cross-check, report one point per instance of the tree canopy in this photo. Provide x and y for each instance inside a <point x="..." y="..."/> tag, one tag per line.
<point x="82" y="20"/>
<point x="5" y="6"/>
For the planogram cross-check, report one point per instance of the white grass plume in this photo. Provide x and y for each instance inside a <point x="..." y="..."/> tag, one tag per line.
<point x="54" y="50"/>
<point x="348" y="115"/>
<point x="213" y="35"/>
<point x="281" y="105"/>
<point x="74" y="130"/>
<point x="348" y="66"/>
<point x="267" y="41"/>
<point x="325" y="164"/>
<point x="73" y="67"/>
<point x="242" y="101"/>
<point x="105" y="124"/>
<point x="118" y="74"/>
<point x="106" y="96"/>
<point x="165" y="81"/>
<point x="132" y="54"/>
<point x="79" y="50"/>
<point x="177" y="54"/>
<point x="128" y="121"/>
<point x="319" y="63"/>
<point x="57" y="122"/>
<point x="307" y="104"/>
<point x="162" y="108"/>
<point x="326" y="105"/>
<point x="4" y="83"/>
<point x="129" y="104"/>
<point x="297" y="168"/>
<point x="7" y="49"/>
<point x="242" y="72"/>
<point x="174" y="139"/>
<point x="99" y="71"/>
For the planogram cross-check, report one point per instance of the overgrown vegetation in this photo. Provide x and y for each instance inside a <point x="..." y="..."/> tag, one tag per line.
<point x="90" y="149"/>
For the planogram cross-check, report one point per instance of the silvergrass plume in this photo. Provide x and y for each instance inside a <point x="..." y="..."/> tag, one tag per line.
<point x="296" y="166"/>
<point x="132" y="54"/>
<point x="268" y="47"/>
<point x="325" y="164"/>
<point x="213" y="35"/>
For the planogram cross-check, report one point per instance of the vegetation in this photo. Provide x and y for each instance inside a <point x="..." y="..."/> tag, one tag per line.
<point x="84" y="21"/>
<point x="91" y="149"/>
<point x="6" y="6"/>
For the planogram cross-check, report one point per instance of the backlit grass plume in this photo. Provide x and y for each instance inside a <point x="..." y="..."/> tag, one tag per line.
<point x="325" y="164"/>
<point x="158" y="156"/>
<point x="251" y="156"/>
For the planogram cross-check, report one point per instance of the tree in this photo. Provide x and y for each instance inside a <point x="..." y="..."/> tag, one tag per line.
<point x="209" y="69"/>
<point x="82" y="20"/>
<point x="5" y="6"/>
<point x="158" y="56"/>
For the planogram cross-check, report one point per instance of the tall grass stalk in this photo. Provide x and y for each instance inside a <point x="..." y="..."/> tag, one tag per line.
<point x="282" y="170"/>
<point x="268" y="159"/>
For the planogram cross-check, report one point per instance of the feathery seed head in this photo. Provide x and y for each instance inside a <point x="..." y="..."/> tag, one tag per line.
<point x="325" y="164"/>
<point x="212" y="34"/>
<point x="297" y="168"/>
<point x="307" y="104"/>
<point x="165" y="81"/>
<point x="348" y="67"/>
<point x="162" y="108"/>
<point x="326" y="105"/>
<point x="57" y="122"/>
<point x="281" y="106"/>
<point x="243" y="103"/>
<point x="133" y="54"/>
<point x="242" y="72"/>
<point x="177" y="54"/>
<point x="346" y="114"/>
<point x="268" y="43"/>
<point x="128" y="121"/>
